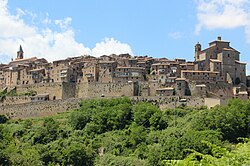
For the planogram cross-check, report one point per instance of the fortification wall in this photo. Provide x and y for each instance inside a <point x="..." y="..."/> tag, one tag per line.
<point x="10" y="100"/>
<point x="215" y="90"/>
<point x="171" y="101"/>
<point x="212" y="102"/>
<point x="47" y="108"/>
<point x="220" y="90"/>
<point x="68" y="90"/>
<point x="86" y="90"/>
<point x="192" y="88"/>
<point x="152" y="88"/>
<point x="144" y="90"/>
<point x="39" y="109"/>
<point x="53" y="89"/>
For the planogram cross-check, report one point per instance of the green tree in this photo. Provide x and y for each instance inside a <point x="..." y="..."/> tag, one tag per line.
<point x="79" y="119"/>
<point x="232" y="120"/>
<point x="3" y="119"/>
<point x="142" y="112"/>
<point x="47" y="133"/>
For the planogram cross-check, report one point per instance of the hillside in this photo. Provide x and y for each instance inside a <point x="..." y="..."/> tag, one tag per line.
<point x="118" y="132"/>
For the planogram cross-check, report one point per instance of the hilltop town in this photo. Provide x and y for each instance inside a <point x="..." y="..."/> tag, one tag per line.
<point x="216" y="72"/>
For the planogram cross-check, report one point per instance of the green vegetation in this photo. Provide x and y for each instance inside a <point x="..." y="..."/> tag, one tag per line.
<point x="3" y="94"/>
<point x="28" y="93"/>
<point x="13" y="92"/>
<point x="118" y="133"/>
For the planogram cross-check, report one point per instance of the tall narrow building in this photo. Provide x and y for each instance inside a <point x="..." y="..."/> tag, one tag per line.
<point x="20" y="53"/>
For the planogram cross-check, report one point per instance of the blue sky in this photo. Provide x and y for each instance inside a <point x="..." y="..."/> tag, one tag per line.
<point x="164" y="28"/>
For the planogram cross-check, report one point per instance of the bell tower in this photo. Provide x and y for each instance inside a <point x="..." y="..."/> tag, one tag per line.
<point x="197" y="51"/>
<point x="20" y="53"/>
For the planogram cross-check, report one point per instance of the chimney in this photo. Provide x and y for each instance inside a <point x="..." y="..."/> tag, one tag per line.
<point x="219" y="38"/>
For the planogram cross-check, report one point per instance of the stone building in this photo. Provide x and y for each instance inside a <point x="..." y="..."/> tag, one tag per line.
<point x="202" y="76"/>
<point x="215" y="71"/>
<point x="90" y="72"/>
<point x="39" y="98"/>
<point x="201" y="90"/>
<point x="125" y="74"/>
<point x="222" y="58"/>
<point x="181" y="87"/>
<point x="20" y="53"/>
<point x="106" y="71"/>
<point x="168" y="91"/>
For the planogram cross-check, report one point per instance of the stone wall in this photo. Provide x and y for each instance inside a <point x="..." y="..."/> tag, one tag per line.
<point x="212" y="102"/>
<point x="152" y="88"/>
<point x="68" y="90"/>
<point x="144" y="90"/>
<point x="220" y="90"/>
<point x="53" y="89"/>
<point x="48" y="108"/>
<point x="39" y="109"/>
<point x="171" y="101"/>
<point x="10" y="100"/>
<point x="89" y="90"/>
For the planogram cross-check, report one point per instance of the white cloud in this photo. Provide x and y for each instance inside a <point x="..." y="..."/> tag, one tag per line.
<point x="175" y="35"/>
<point x="223" y="14"/>
<point x="111" y="46"/>
<point x="43" y="41"/>
<point x="64" y="24"/>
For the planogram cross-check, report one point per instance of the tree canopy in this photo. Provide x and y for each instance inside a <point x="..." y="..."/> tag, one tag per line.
<point x="119" y="132"/>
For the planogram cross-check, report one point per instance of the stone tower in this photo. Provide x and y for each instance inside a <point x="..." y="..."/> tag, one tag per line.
<point x="197" y="51"/>
<point x="20" y="53"/>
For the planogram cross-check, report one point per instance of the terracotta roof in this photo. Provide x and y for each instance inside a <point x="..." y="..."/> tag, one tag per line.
<point x="201" y="85"/>
<point x="37" y="70"/>
<point x="222" y="41"/>
<point x="180" y="79"/>
<point x="41" y="95"/>
<point x="106" y="61"/>
<point x="167" y="88"/>
<point x="197" y="71"/>
<point x="156" y="64"/>
<point x="186" y="64"/>
<point x="230" y="49"/>
<point x="240" y="62"/>
<point x="25" y="59"/>
<point x="243" y="93"/>
<point x="215" y="60"/>
<point x="121" y="67"/>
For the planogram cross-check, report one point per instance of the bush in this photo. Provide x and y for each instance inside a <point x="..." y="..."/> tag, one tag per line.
<point x="3" y="119"/>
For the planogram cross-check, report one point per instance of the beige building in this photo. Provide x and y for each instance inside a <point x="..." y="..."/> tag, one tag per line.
<point x="168" y="91"/>
<point x="216" y="70"/>
<point x="90" y="73"/>
<point x="201" y="90"/>
<point x="187" y="66"/>
<point x="201" y="76"/>
<point x="125" y="74"/>
<point x="106" y="71"/>
<point x="221" y="57"/>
